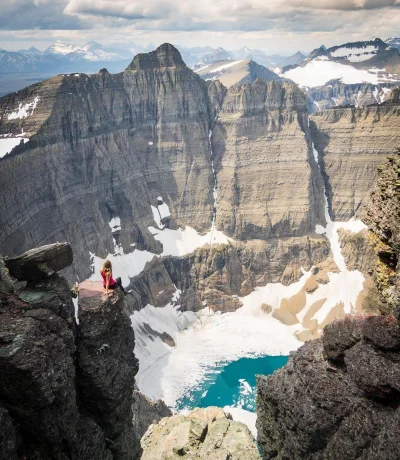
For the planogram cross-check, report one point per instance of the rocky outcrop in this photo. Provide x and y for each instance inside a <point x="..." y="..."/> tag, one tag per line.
<point x="216" y="276"/>
<point x="338" y="397"/>
<point x="268" y="183"/>
<point x="351" y="142"/>
<point x="65" y="389"/>
<point x="202" y="434"/>
<point x="383" y="217"/>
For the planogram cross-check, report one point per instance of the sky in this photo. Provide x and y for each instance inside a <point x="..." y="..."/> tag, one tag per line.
<point x="274" y="26"/>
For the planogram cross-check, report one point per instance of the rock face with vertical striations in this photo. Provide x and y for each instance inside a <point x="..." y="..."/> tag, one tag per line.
<point x="351" y="143"/>
<point x="268" y="182"/>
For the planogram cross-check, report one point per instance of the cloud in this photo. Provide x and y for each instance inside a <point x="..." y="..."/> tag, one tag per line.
<point x="272" y="24"/>
<point x="344" y="4"/>
<point x="37" y="14"/>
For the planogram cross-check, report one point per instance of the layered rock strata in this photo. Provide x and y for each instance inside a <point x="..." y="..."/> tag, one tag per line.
<point x="105" y="146"/>
<point x="268" y="182"/>
<point x="338" y="397"/>
<point x="202" y="434"/>
<point x="351" y="142"/>
<point x="65" y="389"/>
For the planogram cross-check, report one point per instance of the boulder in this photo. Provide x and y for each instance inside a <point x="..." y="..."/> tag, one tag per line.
<point x="41" y="262"/>
<point x="202" y="434"/>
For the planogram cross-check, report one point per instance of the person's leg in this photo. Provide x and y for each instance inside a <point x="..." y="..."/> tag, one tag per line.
<point x="119" y="282"/>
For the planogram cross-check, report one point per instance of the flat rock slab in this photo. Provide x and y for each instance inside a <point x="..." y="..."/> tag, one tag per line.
<point x="40" y="263"/>
<point x="92" y="295"/>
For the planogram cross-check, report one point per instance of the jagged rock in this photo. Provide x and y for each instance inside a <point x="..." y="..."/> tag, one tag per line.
<point x="337" y="340"/>
<point x="164" y="56"/>
<point x="107" y="367"/>
<point x="40" y="263"/>
<point x="146" y="412"/>
<point x="202" y="434"/>
<point x="319" y="407"/>
<point x="382" y="331"/>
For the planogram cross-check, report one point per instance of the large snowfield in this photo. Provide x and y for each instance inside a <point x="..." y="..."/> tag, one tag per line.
<point x="321" y="70"/>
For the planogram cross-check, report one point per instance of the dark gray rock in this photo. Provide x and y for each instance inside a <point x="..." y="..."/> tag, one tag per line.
<point x="382" y="331"/>
<point x="106" y="370"/>
<point x="316" y="410"/>
<point x="8" y="438"/>
<point x="337" y="340"/>
<point x="65" y="390"/>
<point x="40" y="263"/>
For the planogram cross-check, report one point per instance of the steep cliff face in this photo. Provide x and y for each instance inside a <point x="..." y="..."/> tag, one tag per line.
<point x="103" y="146"/>
<point x="107" y="146"/>
<point x="66" y="390"/>
<point x="351" y="143"/>
<point x="268" y="183"/>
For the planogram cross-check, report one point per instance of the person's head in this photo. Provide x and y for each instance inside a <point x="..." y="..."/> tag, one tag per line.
<point x="107" y="266"/>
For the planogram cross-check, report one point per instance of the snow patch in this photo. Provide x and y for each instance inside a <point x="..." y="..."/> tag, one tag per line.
<point x="319" y="71"/>
<point x="24" y="110"/>
<point x="7" y="144"/>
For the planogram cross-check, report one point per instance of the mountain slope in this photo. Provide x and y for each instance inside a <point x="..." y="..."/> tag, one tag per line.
<point x="230" y="73"/>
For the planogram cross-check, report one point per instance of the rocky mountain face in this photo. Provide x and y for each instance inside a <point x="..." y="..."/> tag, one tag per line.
<point x="262" y="147"/>
<point x="338" y="396"/>
<point x="231" y="72"/>
<point x="66" y="389"/>
<point x="105" y="145"/>
<point x="337" y="94"/>
<point x="383" y="217"/>
<point x="351" y="143"/>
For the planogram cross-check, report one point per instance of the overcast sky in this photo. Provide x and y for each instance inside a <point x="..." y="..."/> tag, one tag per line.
<point x="275" y="26"/>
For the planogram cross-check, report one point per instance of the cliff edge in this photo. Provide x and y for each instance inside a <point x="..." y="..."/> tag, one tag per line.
<point x="66" y="389"/>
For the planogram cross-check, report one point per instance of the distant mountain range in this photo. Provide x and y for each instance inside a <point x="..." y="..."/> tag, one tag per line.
<point x="90" y="57"/>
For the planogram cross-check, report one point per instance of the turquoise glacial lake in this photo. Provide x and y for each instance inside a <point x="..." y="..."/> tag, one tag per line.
<point x="232" y="384"/>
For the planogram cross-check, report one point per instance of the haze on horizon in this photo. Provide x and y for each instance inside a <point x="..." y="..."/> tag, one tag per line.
<point x="276" y="26"/>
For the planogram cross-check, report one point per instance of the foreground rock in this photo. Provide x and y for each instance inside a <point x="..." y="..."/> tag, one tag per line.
<point x="40" y="262"/>
<point x="202" y="434"/>
<point x="338" y="397"/>
<point x="65" y="389"/>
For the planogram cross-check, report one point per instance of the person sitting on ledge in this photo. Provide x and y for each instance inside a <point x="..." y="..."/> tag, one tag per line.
<point x="108" y="280"/>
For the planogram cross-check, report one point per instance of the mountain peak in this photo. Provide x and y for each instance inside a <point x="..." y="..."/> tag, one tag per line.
<point x="165" y="55"/>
